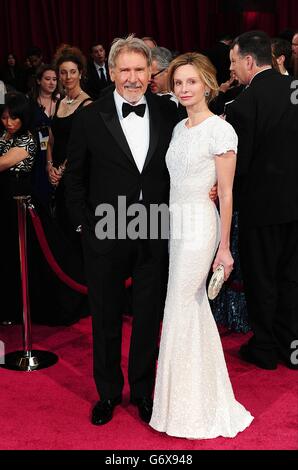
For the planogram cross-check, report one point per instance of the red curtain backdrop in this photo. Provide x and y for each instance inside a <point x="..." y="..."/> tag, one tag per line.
<point x="177" y="24"/>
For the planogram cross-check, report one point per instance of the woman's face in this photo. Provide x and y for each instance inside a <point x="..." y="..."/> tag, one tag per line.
<point x="48" y="82"/>
<point x="69" y="75"/>
<point x="11" y="124"/>
<point x="11" y="60"/>
<point x="188" y="86"/>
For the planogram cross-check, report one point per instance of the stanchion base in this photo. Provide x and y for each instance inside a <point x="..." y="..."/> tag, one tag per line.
<point x="19" y="360"/>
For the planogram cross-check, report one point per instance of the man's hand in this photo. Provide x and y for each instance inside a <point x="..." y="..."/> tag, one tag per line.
<point x="213" y="193"/>
<point x="54" y="175"/>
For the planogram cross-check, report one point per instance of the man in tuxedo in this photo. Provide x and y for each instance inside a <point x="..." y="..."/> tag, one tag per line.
<point x="118" y="148"/>
<point x="161" y="59"/>
<point x="98" y="76"/>
<point x="282" y="52"/>
<point x="265" y="117"/>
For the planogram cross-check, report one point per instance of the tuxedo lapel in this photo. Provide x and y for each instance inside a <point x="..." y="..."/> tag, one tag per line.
<point x="110" y="118"/>
<point x="154" y="119"/>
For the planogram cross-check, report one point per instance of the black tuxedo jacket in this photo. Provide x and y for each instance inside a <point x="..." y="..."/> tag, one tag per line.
<point x="266" y="121"/>
<point x="101" y="167"/>
<point x="93" y="84"/>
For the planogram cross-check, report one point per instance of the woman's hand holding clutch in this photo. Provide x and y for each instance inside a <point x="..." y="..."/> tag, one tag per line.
<point x="222" y="268"/>
<point x="224" y="258"/>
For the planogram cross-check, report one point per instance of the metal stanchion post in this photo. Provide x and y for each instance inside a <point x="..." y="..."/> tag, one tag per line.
<point x="28" y="359"/>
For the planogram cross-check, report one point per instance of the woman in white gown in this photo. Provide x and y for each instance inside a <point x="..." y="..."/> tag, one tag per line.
<point x="193" y="395"/>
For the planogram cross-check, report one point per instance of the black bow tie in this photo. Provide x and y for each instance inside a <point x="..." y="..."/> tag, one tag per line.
<point x="128" y="108"/>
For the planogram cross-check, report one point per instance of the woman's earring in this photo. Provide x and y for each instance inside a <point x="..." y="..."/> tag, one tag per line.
<point x="207" y="93"/>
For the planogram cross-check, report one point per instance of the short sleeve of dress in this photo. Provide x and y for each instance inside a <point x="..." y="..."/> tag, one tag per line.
<point x="27" y="142"/>
<point x="224" y="138"/>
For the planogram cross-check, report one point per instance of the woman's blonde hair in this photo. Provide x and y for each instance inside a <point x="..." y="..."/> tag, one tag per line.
<point x="206" y="70"/>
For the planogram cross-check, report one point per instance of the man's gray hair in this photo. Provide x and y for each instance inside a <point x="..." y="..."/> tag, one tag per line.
<point x="163" y="57"/>
<point x="129" y="44"/>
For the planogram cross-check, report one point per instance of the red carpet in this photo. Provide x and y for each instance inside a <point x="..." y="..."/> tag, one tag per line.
<point x="50" y="409"/>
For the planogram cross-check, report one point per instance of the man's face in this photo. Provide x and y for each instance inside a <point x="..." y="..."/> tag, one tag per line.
<point x="98" y="54"/>
<point x="295" y="46"/>
<point x="159" y="78"/>
<point x="131" y="75"/>
<point x="35" y="60"/>
<point x="240" y="65"/>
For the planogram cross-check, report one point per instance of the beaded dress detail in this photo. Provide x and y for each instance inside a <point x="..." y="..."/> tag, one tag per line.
<point x="193" y="393"/>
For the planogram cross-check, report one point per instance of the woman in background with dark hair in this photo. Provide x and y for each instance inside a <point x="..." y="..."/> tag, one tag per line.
<point x="17" y="154"/>
<point x="43" y="97"/>
<point x="12" y="74"/>
<point x="70" y="64"/>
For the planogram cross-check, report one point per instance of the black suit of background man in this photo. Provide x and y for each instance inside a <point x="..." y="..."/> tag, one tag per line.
<point x="266" y="121"/>
<point x="97" y="79"/>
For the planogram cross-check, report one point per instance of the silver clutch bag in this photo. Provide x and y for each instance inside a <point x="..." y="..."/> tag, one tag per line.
<point x="216" y="282"/>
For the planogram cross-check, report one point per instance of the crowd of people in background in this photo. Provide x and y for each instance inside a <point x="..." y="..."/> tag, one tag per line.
<point x="56" y="91"/>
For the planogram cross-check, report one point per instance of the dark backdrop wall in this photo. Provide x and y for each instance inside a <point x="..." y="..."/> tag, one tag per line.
<point x="178" y="24"/>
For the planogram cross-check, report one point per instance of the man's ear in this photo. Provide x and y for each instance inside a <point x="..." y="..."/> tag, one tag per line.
<point x="280" y="60"/>
<point x="250" y="62"/>
<point x="112" y="74"/>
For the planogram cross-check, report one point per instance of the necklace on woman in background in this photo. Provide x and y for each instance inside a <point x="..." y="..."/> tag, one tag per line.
<point x="69" y="100"/>
<point x="47" y="109"/>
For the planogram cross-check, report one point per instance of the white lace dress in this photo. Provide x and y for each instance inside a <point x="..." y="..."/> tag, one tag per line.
<point x="193" y="395"/>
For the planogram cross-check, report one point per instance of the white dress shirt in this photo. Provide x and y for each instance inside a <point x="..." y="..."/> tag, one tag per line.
<point x="136" y="130"/>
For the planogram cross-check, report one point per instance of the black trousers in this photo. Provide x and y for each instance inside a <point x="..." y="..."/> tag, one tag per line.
<point x="106" y="275"/>
<point x="269" y="261"/>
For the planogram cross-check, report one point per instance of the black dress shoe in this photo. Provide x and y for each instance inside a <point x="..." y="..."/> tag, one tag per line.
<point x="248" y="355"/>
<point x="145" y="405"/>
<point x="102" y="413"/>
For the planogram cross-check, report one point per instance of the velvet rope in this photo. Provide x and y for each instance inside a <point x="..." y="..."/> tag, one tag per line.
<point x="49" y="255"/>
<point x="50" y="258"/>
